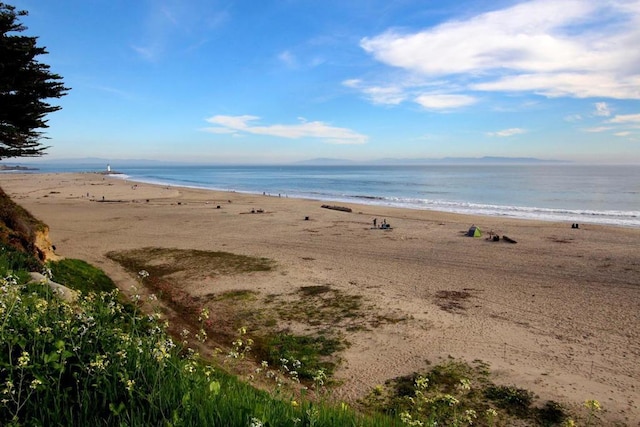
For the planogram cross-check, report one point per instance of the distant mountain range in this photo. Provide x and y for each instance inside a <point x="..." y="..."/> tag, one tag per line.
<point x="432" y="161"/>
<point x="324" y="161"/>
<point x="91" y="161"/>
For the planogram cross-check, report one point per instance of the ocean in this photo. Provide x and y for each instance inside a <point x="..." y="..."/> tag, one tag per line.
<point x="572" y="193"/>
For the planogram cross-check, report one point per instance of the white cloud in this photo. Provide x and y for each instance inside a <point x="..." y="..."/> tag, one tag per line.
<point x="233" y="123"/>
<point x="444" y="102"/>
<point x="149" y="53"/>
<point x="573" y="118"/>
<point x="602" y="109"/>
<point x="389" y="95"/>
<point x="598" y="129"/>
<point x="625" y="133"/>
<point x="385" y="95"/>
<point x="288" y="59"/>
<point x="626" y="118"/>
<point x="586" y="85"/>
<point x="355" y="83"/>
<point x="555" y="48"/>
<point x="508" y="132"/>
<point x="519" y="37"/>
<point x="304" y="129"/>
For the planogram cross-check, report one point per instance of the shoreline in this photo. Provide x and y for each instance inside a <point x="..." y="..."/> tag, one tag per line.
<point x="570" y="203"/>
<point x="556" y="313"/>
<point x="554" y="215"/>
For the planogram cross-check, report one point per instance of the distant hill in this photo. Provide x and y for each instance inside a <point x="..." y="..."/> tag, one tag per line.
<point x="95" y="161"/>
<point x="323" y="161"/>
<point x="432" y="161"/>
<point x="102" y="163"/>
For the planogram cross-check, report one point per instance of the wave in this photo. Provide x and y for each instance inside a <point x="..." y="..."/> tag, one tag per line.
<point x="605" y="217"/>
<point x="610" y="217"/>
<point x="434" y="200"/>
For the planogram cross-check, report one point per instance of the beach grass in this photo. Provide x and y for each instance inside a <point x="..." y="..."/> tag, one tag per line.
<point x="96" y="362"/>
<point x="81" y="276"/>
<point x="162" y="262"/>
<point x="234" y="309"/>
<point x="314" y="352"/>
<point x="459" y="393"/>
<point x="101" y="361"/>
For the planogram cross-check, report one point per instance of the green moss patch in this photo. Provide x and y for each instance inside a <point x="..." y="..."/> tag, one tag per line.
<point x="80" y="275"/>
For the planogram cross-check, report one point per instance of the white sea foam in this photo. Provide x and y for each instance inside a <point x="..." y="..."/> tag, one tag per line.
<point x="577" y="194"/>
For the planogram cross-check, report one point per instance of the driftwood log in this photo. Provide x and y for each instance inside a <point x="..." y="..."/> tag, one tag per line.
<point x="337" y="208"/>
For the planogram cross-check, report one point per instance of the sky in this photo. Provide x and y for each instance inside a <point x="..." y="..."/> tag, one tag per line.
<point x="279" y="81"/>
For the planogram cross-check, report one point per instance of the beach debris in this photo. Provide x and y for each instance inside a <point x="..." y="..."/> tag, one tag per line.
<point x="508" y="239"/>
<point x="337" y="208"/>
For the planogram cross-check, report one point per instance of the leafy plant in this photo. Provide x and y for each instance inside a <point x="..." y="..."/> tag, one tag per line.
<point x="513" y="399"/>
<point x="96" y="363"/>
<point x="80" y="275"/>
<point x="313" y="352"/>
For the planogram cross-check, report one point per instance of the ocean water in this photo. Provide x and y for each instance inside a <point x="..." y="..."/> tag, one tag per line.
<point x="571" y="193"/>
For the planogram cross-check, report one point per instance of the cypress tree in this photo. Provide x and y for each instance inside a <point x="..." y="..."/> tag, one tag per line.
<point x="25" y="85"/>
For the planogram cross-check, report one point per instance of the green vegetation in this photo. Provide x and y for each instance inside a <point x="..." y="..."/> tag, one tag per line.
<point x="515" y="400"/>
<point x="95" y="362"/>
<point x="101" y="360"/>
<point x="312" y="352"/>
<point x="18" y="227"/>
<point x="163" y="262"/>
<point x="82" y="276"/>
<point x="321" y="305"/>
<point x="17" y="261"/>
<point x="234" y="309"/>
<point x="461" y="394"/>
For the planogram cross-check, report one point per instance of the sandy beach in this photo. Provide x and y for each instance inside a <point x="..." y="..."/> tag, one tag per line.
<point x="557" y="313"/>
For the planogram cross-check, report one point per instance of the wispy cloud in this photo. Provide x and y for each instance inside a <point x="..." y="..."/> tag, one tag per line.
<point x="573" y="118"/>
<point x="288" y="59"/>
<point x="620" y="125"/>
<point x="598" y="129"/>
<point x="626" y="118"/>
<point x="507" y="132"/>
<point x="304" y="129"/>
<point x="554" y="48"/>
<point x="602" y="109"/>
<point x="180" y="25"/>
<point x="389" y="95"/>
<point x="444" y="102"/>
<point x="119" y="92"/>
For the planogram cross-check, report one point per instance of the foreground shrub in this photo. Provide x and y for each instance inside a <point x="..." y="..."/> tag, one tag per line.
<point x="80" y="275"/>
<point x="95" y="362"/>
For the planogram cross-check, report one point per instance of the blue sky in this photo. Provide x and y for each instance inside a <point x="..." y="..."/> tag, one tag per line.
<point x="281" y="81"/>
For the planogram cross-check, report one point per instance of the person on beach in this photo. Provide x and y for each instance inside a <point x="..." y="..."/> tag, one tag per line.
<point x="375" y="222"/>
